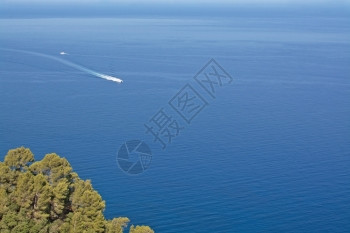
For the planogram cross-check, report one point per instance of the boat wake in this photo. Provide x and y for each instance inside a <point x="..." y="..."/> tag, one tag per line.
<point x="68" y="63"/>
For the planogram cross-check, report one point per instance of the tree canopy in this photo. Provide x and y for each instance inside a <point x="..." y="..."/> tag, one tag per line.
<point x="48" y="197"/>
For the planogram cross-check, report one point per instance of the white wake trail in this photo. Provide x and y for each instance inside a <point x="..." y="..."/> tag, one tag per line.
<point x="68" y="63"/>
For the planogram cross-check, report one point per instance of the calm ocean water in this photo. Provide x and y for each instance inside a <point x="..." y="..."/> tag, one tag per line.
<point x="270" y="154"/>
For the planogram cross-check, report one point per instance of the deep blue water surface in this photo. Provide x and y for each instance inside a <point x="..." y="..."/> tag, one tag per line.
<point x="270" y="154"/>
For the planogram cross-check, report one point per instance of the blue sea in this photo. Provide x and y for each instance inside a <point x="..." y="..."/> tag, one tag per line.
<point x="270" y="153"/>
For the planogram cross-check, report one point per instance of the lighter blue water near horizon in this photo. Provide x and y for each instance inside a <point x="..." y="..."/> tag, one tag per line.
<point x="270" y="154"/>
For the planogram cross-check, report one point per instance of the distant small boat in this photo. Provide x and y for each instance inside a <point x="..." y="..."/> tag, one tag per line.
<point x="63" y="53"/>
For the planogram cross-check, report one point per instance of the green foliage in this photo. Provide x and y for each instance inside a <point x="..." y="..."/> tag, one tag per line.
<point x="19" y="158"/>
<point x="53" y="167"/>
<point x="8" y="177"/>
<point x="140" y="229"/>
<point x="48" y="197"/>
<point x="117" y="225"/>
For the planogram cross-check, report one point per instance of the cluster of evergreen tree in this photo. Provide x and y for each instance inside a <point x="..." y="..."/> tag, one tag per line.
<point x="48" y="197"/>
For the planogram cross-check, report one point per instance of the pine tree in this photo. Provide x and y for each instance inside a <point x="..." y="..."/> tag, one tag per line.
<point x="88" y="203"/>
<point x="19" y="158"/>
<point x="117" y="225"/>
<point x="140" y="229"/>
<point x="59" y="199"/>
<point x="54" y="167"/>
<point x="24" y="195"/>
<point x="48" y="197"/>
<point x="42" y="198"/>
<point x="3" y="202"/>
